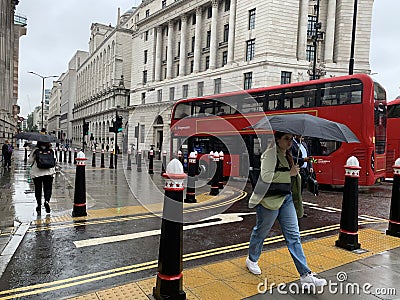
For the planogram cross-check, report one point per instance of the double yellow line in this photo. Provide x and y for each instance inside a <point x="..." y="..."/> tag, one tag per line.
<point x="78" y="280"/>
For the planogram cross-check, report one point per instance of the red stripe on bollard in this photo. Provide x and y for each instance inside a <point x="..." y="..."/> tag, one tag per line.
<point x="169" y="277"/>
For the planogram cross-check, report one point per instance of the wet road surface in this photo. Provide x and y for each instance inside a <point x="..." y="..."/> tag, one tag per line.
<point x="48" y="255"/>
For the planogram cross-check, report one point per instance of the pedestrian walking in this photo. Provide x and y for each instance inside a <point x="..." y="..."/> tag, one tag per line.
<point x="7" y="150"/>
<point x="43" y="161"/>
<point x="278" y="168"/>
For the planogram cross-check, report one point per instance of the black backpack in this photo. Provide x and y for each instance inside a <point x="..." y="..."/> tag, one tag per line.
<point x="45" y="158"/>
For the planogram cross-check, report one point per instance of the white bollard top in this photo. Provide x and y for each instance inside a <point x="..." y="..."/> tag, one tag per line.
<point x="352" y="161"/>
<point x="352" y="167"/>
<point x="129" y="151"/>
<point x="174" y="176"/>
<point x="164" y="152"/>
<point x="80" y="155"/>
<point x="192" y="155"/>
<point x="221" y="154"/>
<point x="396" y="167"/>
<point x="397" y="162"/>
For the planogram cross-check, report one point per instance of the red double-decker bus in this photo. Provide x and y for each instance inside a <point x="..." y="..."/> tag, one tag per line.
<point x="393" y="135"/>
<point x="218" y="122"/>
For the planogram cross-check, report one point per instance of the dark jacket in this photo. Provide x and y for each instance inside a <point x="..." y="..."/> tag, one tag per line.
<point x="298" y="155"/>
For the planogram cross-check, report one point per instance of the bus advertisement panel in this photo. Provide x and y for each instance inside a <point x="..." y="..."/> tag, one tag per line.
<point x="393" y="135"/>
<point x="218" y="122"/>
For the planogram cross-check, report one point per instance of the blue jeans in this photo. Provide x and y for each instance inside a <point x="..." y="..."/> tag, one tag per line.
<point x="287" y="218"/>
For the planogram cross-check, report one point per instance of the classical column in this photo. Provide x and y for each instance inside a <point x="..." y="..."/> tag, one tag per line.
<point x="182" y="50"/>
<point x="170" y="50"/>
<point x="231" y="35"/>
<point x="214" y="41"/>
<point x="158" y="62"/>
<point x="302" y="30"/>
<point x="330" y="31"/>
<point x="197" y="42"/>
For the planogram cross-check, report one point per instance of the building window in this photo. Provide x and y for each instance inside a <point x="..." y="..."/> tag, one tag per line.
<point x="185" y="91"/>
<point x="179" y="25"/>
<point x="250" y="48"/>
<point x="147" y="13"/>
<point x="145" y="57"/>
<point x="248" y="80"/>
<point x="312" y="20"/>
<point x="209" y="12"/>
<point x="159" y="95"/>
<point x="227" y="5"/>
<point x="177" y="69"/>
<point x="165" y="73"/>
<point x="146" y="35"/>
<point x="286" y="77"/>
<point x="310" y="52"/>
<point x="193" y="42"/>
<point x="163" y="3"/>
<point x="178" y="51"/>
<point x="171" y="93"/>
<point x="200" y="88"/>
<point x="194" y="19"/>
<point x="143" y="98"/>
<point x="217" y="86"/>
<point x="191" y="66"/>
<point x="252" y="18"/>
<point x="226" y="33"/>
<point x="207" y="62"/>
<point x="208" y="39"/>
<point x="144" y="77"/>
<point x="142" y="133"/>
<point x="224" y="58"/>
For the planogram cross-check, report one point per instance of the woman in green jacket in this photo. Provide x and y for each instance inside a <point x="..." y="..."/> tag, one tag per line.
<point x="277" y="168"/>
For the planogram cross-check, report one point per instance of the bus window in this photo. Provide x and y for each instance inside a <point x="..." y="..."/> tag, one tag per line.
<point x="327" y="147"/>
<point x="380" y="128"/>
<point x="393" y="111"/>
<point x="275" y="101"/>
<point x="379" y="92"/>
<point x="182" y="110"/>
<point x="337" y="93"/>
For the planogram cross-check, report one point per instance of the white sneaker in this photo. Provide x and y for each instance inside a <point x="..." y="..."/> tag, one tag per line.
<point x="311" y="280"/>
<point x="253" y="267"/>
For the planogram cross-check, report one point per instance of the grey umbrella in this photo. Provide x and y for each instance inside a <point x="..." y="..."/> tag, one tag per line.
<point x="36" y="136"/>
<point x="307" y="125"/>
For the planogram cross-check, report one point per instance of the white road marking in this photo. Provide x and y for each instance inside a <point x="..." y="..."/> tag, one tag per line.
<point x="223" y="219"/>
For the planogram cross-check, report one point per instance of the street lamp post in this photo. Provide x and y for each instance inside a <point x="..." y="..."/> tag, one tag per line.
<point x="353" y="38"/>
<point x="43" y="78"/>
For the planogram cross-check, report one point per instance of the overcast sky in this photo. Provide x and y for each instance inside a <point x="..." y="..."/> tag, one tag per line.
<point x="56" y="29"/>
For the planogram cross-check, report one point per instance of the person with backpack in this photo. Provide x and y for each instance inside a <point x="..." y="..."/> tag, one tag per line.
<point x="7" y="151"/>
<point x="43" y="161"/>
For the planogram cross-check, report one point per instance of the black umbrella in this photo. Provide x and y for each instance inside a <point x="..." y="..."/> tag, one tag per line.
<point x="36" y="136"/>
<point x="307" y="125"/>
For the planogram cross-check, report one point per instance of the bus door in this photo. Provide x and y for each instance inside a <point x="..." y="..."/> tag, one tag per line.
<point x="324" y="163"/>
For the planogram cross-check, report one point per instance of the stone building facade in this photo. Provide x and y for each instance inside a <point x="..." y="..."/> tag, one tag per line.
<point x="184" y="49"/>
<point x="11" y="29"/>
<point x="103" y="83"/>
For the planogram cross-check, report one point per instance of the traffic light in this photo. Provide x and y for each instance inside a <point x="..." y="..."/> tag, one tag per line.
<point x="86" y="128"/>
<point x="118" y="124"/>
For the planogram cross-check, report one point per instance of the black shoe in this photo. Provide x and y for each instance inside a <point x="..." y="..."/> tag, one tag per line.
<point x="47" y="207"/>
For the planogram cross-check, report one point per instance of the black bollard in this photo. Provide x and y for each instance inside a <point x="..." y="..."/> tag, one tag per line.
<point x="211" y="167"/>
<point x="75" y="155"/>
<point x="394" y="218"/>
<point x="65" y="155"/>
<point x="129" y="164"/>
<point x="197" y="163"/>
<point x="348" y="233"/>
<point x="221" y="170"/>
<point x="111" y="160"/>
<point x="169" y="284"/>
<point x="164" y="161"/>
<point x="139" y="161"/>
<point x="60" y="155"/>
<point x="79" y="209"/>
<point x="102" y="159"/>
<point x="191" y="182"/>
<point x="69" y="155"/>
<point x="215" y="179"/>
<point x="26" y="155"/>
<point x="94" y="159"/>
<point x="151" y="161"/>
